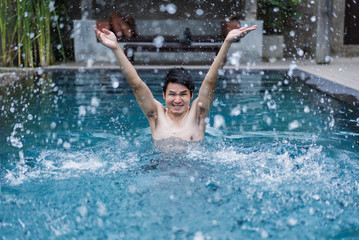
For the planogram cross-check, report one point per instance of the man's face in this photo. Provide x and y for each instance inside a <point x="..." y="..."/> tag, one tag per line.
<point x="177" y="98"/>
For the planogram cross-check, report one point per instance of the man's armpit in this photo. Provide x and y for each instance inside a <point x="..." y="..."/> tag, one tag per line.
<point x="152" y="114"/>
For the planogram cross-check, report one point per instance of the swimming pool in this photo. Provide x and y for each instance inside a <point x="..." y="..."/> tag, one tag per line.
<point x="280" y="160"/>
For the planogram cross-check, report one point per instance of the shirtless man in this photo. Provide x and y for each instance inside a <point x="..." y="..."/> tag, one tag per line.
<point x="179" y="119"/>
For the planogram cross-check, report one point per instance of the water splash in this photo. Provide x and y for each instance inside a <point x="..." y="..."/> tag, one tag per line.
<point x="60" y="164"/>
<point x="16" y="141"/>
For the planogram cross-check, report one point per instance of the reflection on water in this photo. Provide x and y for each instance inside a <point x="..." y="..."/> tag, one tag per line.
<point x="271" y="168"/>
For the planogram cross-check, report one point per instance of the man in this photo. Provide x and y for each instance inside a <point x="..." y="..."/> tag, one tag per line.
<point x="179" y="119"/>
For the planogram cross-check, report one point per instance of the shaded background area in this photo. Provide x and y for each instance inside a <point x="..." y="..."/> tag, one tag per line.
<point x="296" y="20"/>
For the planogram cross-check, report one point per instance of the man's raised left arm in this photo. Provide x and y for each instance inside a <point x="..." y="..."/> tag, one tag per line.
<point x="206" y="92"/>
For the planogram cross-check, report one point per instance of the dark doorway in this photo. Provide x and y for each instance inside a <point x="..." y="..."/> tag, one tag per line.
<point x="351" y="25"/>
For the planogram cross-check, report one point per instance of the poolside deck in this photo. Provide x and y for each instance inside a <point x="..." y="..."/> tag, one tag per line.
<point x="343" y="71"/>
<point x="339" y="79"/>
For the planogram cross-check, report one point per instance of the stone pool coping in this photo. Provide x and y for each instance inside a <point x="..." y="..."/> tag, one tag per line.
<point x="8" y="75"/>
<point x="339" y="79"/>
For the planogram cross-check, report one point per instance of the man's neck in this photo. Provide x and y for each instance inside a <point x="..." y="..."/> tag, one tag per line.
<point x="176" y="118"/>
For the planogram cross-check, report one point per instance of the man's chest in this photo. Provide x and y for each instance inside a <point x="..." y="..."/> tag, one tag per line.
<point x="188" y="129"/>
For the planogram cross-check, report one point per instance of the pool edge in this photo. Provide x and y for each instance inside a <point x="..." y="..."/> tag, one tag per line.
<point x="337" y="90"/>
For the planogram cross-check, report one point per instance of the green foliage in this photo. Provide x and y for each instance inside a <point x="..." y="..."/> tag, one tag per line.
<point x="277" y="15"/>
<point x="6" y="21"/>
<point x="26" y="32"/>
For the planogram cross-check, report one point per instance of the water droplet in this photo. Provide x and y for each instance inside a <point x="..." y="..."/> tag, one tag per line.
<point x="272" y="48"/>
<point x="59" y="141"/>
<point x="234" y="59"/>
<point x="16" y="141"/>
<point x="268" y="121"/>
<point x="271" y="104"/>
<point x="52" y="6"/>
<point x="199" y="12"/>
<point x="101" y="208"/>
<point x="292" y="221"/>
<point x="66" y="145"/>
<point x="158" y="41"/>
<point x="82" y="210"/>
<point x="264" y="234"/>
<point x="53" y="125"/>
<point x="125" y="110"/>
<point x="244" y="109"/>
<point x="292" y="66"/>
<point x="311" y="211"/>
<point x="132" y="189"/>
<point x="90" y="62"/>
<point x="95" y="102"/>
<point x="82" y="111"/>
<point x="236" y="111"/>
<point x="130" y="52"/>
<point x="332" y="123"/>
<point x="198" y="236"/>
<point x="40" y="70"/>
<point x="293" y="125"/>
<point x="300" y="52"/>
<point x="171" y="8"/>
<point x="219" y="121"/>
<point x="316" y="197"/>
<point x="163" y="8"/>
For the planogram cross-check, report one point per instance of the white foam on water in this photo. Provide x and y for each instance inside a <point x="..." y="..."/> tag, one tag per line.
<point x="14" y="178"/>
<point x="103" y="159"/>
<point x="90" y="165"/>
<point x="270" y="168"/>
<point x="273" y="169"/>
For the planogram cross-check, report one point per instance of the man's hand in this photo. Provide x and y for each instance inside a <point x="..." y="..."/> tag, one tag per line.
<point x="236" y="34"/>
<point x="107" y="38"/>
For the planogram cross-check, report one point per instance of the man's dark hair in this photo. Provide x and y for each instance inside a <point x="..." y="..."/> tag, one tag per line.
<point x="178" y="75"/>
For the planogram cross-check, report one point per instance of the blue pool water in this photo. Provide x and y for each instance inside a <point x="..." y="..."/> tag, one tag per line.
<point x="280" y="161"/>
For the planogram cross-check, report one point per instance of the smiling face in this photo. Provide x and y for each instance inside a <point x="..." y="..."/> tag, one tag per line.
<point x="177" y="98"/>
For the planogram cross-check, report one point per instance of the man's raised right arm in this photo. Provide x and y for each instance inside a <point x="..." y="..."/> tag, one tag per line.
<point x="143" y="94"/>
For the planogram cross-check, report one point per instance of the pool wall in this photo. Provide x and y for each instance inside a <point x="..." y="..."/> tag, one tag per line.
<point x="338" y="91"/>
